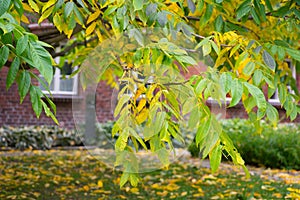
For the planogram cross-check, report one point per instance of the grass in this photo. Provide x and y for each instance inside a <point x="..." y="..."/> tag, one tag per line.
<point x="77" y="175"/>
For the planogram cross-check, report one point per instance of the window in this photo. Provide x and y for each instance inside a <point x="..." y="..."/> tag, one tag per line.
<point x="275" y="98"/>
<point x="63" y="83"/>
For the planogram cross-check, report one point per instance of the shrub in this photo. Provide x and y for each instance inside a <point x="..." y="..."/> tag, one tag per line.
<point x="37" y="137"/>
<point x="277" y="147"/>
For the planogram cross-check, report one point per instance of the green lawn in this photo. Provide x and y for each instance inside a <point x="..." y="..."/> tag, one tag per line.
<point x="78" y="175"/>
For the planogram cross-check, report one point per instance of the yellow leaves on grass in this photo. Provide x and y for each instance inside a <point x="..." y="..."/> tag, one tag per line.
<point x="100" y="184"/>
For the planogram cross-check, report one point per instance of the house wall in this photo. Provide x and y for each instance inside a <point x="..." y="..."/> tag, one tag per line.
<point x="16" y="114"/>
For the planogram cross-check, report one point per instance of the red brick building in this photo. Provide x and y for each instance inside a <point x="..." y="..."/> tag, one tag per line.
<point x="68" y="95"/>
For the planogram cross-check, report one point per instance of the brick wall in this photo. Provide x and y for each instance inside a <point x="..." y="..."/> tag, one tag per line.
<point x="16" y="114"/>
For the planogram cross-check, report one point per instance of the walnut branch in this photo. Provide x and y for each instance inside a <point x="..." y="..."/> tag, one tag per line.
<point x="73" y="45"/>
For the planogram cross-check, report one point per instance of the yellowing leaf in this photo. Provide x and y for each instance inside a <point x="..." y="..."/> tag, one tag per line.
<point x="24" y="19"/>
<point x="134" y="190"/>
<point x="33" y="5"/>
<point x="142" y="104"/>
<point x="48" y="5"/>
<point x="142" y="116"/>
<point x="27" y="7"/>
<point x="294" y="190"/>
<point x="162" y="194"/>
<point x="46" y="14"/>
<point x="93" y="16"/>
<point x="172" y="187"/>
<point x="86" y="188"/>
<point x="277" y="195"/>
<point x="90" y="29"/>
<point x="100" y="184"/>
<point x="183" y="194"/>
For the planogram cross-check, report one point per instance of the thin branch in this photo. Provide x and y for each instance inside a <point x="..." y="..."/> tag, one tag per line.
<point x="68" y="48"/>
<point x="165" y="84"/>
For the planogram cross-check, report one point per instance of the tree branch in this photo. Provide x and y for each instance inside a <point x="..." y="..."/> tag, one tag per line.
<point x="68" y="48"/>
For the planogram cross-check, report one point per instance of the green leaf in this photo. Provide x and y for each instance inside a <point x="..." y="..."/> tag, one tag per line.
<point x="48" y="112"/>
<point x="4" y="53"/>
<point x="134" y="179"/>
<point x="109" y="10"/>
<point x="249" y="68"/>
<point x="122" y="101"/>
<point x="293" y="53"/>
<point x="206" y="48"/>
<point x="151" y="9"/>
<point x="282" y="93"/>
<point x="162" y="18"/>
<point x="272" y="114"/>
<point x="124" y="179"/>
<point x="42" y="61"/>
<point x="234" y="49"/>
<point x="68" y="9"/>
<point x="219" y="23"/>
<point x="22" y="44"/>
<point x="35" y="98"/>
<point x="258" y="96"/>
<point x="24" y="82"/>
<point x="19" y="7"/>
<point x="255" y="16"/>
<point x="203" y="130"/>
<point x="12" y="72"/>
<point x="269" y="5"/>
<point x="208" y="12"/>
<point x="4" y="6"/>
<point x="163" y="156"/>
<point x="257" y="77"/>
<point x="191" y="6"/>
<point x="138" y="4"/>
<point x="268" y="60"/>
<point x="212" y="137"/>
<point x="226" y="81"/>
<point x="186" y="59"/>
<point x="236" y="92"/>
<point x="215" y="157"/>
<point x="243" y="9"/>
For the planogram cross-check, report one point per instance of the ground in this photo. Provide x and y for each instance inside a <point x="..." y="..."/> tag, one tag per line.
<point x="77" y="174"/>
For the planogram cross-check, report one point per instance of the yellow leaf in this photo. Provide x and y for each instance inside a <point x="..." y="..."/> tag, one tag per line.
<point x="134" y="190"/>
<point x="24" y="19"/>
<point x="156" y="186"/>
<point x="162" y="194"/>
<point x="277" y="195"/>
<point x="48" y="5"/>
<point x="93" y="16"/>
<point x="267" y="187"/>
<point x="90" y="29"/>
<point x="142" y="116"/>
<point x="293" y="195"/>
<point x="45" y="15"/>
<point x="122" y="196"/>
<point x="183" y="193"/>
<point x="100" y="184"/>
<point x="198" y="195"/>
<point x="294" y="190"/>
<point x="86" y="188"/>
<point x="33" y="5"/>
<point x="172" y="187"/>
<point x="27" y="7"/>
<point x="99" y="35"/>
<point x="141" y="105"/>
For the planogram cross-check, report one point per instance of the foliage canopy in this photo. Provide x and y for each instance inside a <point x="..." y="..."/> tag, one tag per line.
<point x="244" y="43"/>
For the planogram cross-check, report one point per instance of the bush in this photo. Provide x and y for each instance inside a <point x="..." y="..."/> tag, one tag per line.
<point x="37" y="137"/>
<point x="274" y="147"/>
